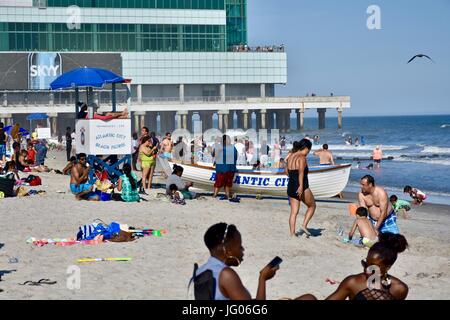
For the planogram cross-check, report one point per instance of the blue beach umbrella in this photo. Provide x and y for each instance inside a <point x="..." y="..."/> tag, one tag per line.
<point x="85" y="77"/>
<point x="22" y="131"/>
<point x="37" y="116"/>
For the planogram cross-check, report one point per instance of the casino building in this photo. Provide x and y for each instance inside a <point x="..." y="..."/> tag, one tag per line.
<point x="188" y="60"/>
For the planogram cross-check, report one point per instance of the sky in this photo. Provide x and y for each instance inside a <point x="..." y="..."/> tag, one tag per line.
<point x="331" y="49"/>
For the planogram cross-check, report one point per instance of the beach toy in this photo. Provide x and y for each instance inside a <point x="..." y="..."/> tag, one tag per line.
<point x="2" y="195"/>
<point x="102" y="259"/>
<point x="352" y="207"/>
<point x="150" y="232"/>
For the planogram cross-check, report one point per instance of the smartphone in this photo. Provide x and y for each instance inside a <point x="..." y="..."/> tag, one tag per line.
<point x="275" y="262"/>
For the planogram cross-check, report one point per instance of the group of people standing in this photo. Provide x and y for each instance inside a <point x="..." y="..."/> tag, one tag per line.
<point x="145" y="150"/>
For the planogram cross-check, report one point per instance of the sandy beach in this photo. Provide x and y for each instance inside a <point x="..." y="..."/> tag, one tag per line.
<point x="161" y="267"/>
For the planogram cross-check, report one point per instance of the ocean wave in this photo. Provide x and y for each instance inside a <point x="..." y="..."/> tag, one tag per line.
<point x="366" y="147"/>
<point x="348" y="155"/>
<point x="435" y="150"/>
<point x="445" y="126"/>
<point x="427" y="160"/>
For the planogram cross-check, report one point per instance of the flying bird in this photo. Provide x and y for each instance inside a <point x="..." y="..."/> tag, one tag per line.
<point x="420" y="56"/>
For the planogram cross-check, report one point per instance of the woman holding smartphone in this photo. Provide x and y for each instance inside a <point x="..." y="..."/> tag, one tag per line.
<point x="298" y="187"/>
<point x="225" y="246"/>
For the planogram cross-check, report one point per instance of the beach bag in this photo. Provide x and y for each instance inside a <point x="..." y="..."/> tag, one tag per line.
<point x="7" y="187"/>
<point x="204" y="285"/>
<point x="90" y="231"/>
<point x="33" y="180"/>
<point x="122" y="236"/>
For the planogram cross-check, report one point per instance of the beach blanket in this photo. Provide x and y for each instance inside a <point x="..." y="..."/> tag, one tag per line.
<point x="64" y="242"/>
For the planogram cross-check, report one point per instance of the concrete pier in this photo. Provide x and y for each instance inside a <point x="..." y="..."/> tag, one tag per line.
<point x="301" y="119"/>
<point x="321" y="113"/>
<point x="270" y="111"/>
<point x="53" y="123"/>
<point x="340" y="111"/>
<point x="151" y="121"/>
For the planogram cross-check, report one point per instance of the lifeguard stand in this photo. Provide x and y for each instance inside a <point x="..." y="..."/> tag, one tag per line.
<point x="103" y="138"/>
<point x="97" y="137"/>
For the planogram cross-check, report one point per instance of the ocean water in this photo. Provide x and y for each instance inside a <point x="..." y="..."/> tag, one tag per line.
<point x="419" y="145"/>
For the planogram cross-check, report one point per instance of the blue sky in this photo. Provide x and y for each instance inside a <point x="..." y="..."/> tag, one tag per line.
<point x="330" y="49"/>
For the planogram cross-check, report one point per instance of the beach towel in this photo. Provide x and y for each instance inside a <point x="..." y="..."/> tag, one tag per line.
<point x="90" y="231"/>
<point x="33" y="180"/>
<point x="389" y="225"/>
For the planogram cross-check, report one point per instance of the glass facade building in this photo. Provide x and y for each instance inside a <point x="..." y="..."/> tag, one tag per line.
<point x="127" y="37"/>
<point x="159" y="44"/>
<point x="15" y="36"/>
<point x="140" y="4"/>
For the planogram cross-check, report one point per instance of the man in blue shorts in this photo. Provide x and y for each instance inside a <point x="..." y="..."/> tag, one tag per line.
<point x="375" y="199"/>
<point x="79" y="184"/>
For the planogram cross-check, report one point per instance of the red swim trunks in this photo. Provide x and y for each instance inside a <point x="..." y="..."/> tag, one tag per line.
<point x="224" y="180"/>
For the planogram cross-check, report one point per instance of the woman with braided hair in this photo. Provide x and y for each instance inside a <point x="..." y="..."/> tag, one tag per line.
<point x="225" y="246"/>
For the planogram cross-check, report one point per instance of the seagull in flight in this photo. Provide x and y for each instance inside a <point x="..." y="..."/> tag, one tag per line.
<point x="420" y="56"/>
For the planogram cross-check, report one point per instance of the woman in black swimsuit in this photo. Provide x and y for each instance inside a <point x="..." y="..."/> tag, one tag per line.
<point x="298" y="186"/>
<point x="374" y="283"/>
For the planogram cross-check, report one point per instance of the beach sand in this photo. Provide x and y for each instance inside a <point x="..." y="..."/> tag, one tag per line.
<point x="161" y="267"/>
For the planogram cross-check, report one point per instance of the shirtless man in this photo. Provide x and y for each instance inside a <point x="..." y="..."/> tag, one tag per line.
<point x="326" y="157"/>
<point x="167" y="146"/>
<point x="79" y="184"/>
<point x="375" y="199"/>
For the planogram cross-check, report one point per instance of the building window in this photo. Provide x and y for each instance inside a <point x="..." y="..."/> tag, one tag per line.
<point x="112" y="37"/>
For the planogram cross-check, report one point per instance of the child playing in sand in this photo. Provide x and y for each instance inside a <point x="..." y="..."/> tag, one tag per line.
<point x="365" y="228"/>
<point x="400" y="206"/>
<point x="418" y="196"/>
<point x="176" y="196"/>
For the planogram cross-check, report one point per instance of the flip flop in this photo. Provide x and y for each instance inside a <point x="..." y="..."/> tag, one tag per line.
<point x="236" y="200"/>
<point x="38" y="283"/>
<point x="47" y="281"/>
<point x="223" y="198"/>
<point x="303" y="231"/>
